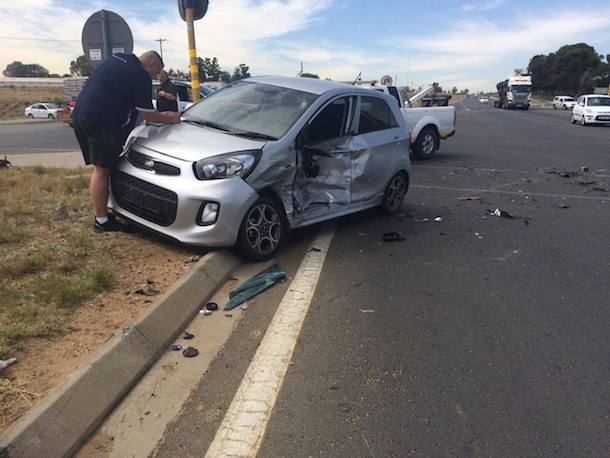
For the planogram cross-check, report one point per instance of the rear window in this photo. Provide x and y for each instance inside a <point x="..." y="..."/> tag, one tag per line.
<point x="375" y="114"/>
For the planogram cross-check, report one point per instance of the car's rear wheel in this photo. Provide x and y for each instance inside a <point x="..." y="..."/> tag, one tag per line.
<point x="30" y="115"/>
<point x="565" y="107"/>
<point x="426" y="143"/>
<point x="262" y="231"/>
<point x="395" y="194"/>
<point x="51" y="116"/>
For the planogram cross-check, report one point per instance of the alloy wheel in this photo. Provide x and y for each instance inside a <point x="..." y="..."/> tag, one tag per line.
<point x="263" y="228"/>
<point x="396" y="193"/>
<point x="428" y="144"/>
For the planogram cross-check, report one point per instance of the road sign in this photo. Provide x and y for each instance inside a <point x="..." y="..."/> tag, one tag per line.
<point x="105" y="33"/>
<point x="200" y="7"/>
<point x="386" y="80"/>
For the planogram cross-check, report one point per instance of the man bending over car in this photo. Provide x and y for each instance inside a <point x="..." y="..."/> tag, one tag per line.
<point x="106" y="111"/>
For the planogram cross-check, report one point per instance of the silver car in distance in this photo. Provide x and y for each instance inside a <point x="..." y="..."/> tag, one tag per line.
<point x="260" y="157"/>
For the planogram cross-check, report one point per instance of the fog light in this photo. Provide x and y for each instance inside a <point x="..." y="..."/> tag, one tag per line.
<point x="208" y="214"/>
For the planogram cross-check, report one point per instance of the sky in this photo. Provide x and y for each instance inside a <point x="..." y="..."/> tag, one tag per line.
<point x="464" y="43"/>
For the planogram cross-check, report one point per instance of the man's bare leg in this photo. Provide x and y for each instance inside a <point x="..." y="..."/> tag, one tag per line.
<point x="98" y="188"/>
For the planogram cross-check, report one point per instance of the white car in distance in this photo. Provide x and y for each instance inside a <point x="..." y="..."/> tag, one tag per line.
<point x="592" y="109"/>
<point x="42" y="110"/>
<point x="563" y="101"/>
<point x="483" y="99"/>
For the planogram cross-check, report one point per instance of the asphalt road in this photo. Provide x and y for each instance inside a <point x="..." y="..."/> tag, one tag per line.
<point x="481" y="336"/>
<point x="44" y="137"/>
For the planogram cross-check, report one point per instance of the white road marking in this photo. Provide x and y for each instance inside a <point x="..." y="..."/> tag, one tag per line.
<point x="243" y="427"/>
<point x="512" y="193"/>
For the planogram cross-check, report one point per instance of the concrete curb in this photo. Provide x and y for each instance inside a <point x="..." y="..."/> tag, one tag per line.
<point x="59" y="425"/>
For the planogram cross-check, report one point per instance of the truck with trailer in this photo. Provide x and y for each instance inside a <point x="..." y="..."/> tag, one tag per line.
<point x="515" y="92"/>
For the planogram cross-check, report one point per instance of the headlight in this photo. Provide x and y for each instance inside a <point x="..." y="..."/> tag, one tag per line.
<point x="238" y="164"/>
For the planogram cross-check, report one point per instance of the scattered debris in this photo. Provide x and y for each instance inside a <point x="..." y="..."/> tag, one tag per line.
<point x="147" y="292"/>
<point x="478" y="235"/>
<point x="228" y="315"/>
<point x="194" y="258"/>
<point x="4" y="163"/>
<point x="469" y="198"/>
<point x="566" y="174"/>
<point x="585" y="182"/>
<point x="255" y="286"/>
<point x="187" y="335"/>
<point x="500" y="213"/>
<point x="584" y="168"/>
<point x="7" y="362"/>
<point x="425" y="220"/>
<point x="366" y="310"/>
<point x="244" y="308"/>
<point x="438" y="219"/>
<point x="392" y="237"/>
<point x="599" y="188"/>
<point x="211" y="306"/>
<point x="562" y="206"/>
<point x="205" y="312"/>
<point x="315" y="250"/>
<point x="190" y="352"/>
<point x="150" y="281"/>
<point x="61" y="212"/>
<point x="175" y="347"/>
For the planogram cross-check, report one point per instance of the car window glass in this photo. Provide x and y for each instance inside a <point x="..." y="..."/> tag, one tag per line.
<point x="183" y="93"/>
<point x="394" y="93"/>
<point x="330" y="122"/>
<point x="375" y="114"/>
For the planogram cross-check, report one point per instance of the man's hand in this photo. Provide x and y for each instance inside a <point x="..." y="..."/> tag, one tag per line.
<point x="164" y="117"/>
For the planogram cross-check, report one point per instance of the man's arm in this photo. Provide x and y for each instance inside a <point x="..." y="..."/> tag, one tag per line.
<point x="164" y="117"/>
<point x="167" y="95"/>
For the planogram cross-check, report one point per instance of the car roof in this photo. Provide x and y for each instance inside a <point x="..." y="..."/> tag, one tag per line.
<point x="596" y="95"/>
<point x="311" y="85"/>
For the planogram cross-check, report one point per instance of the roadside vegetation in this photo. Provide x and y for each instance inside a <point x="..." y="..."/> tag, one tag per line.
<point x="14" y="100"/>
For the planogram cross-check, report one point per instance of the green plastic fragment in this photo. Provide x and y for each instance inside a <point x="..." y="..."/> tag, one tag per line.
<point x="256" y="285"/>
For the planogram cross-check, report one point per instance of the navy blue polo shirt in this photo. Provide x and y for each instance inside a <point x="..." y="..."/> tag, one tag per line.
<point x="118" y="85"/>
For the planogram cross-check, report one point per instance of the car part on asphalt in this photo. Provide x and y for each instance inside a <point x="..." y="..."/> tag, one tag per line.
<point x="470" y="198"/>
<point x="255" y="285"/>
<point x="211" y="306"/>
<point x="393" y="237"/>
<point x="175" y="347"/>
<point x="187" y="335"/>
<point x="205" y="312"/>
<point x="501" y="213"/>
<point x="190" y="352"/>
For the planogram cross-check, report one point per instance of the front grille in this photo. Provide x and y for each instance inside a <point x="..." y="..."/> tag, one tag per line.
<point x="142" y="161"/>
<point x="603" y="117"/>
<point x="146" y="200"/>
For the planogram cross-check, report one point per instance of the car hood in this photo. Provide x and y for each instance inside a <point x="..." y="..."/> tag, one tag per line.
<point x="190" y="142"/>
<point x="603" y="109"/>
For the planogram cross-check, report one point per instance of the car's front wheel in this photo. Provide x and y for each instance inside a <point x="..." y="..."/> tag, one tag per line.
<point x="262" y="231"/>
<point x="582" y="120"/>
<point x="395" y="193"/>
<point x="51" y="116"/>
<point x="30" y="115"/>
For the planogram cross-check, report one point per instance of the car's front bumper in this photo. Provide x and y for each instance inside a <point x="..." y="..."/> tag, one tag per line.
<point x="170" y="205"/>
<point x="597" y="118"/>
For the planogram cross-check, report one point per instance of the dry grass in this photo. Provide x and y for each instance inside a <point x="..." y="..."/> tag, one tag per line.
<point x="13" y="100"/>
<point x="48" y="265"/>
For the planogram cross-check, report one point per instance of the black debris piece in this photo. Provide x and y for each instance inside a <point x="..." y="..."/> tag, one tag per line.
<point x="599" y="188"/>
<point x="500" y="213"/>
<point x="315" y="250"/>
<point x="187" y="335"/>
<point x="147" y="292"/>
<point x="392" y="237"/>
<point x="562" y="206"/>
<point x="190" y="352"/>
<point x="211" y="306"/>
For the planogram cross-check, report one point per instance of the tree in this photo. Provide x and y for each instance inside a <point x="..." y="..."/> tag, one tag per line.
<point x="454" y="90"/>
<point x="225" y="77"/>
<point x="309" y="75"/>
<point x="18" y="69"/>
<point x="80" y="66"/>
<point x="571" y="69"/>
<point x="209" y="69"/>
<point x="241" y="71"/>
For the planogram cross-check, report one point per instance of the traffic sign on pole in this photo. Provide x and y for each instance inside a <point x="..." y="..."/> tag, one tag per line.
<point x="105" y="33"/>
<point x="190" y="11"/>
<point x="200" y="7"/>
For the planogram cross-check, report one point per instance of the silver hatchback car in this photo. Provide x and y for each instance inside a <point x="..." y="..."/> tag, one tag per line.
<point x="263" y="156"/>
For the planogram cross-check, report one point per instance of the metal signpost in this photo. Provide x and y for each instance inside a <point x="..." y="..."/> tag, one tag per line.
<point x="190" y="11"/>
<point x="105" y="33"/>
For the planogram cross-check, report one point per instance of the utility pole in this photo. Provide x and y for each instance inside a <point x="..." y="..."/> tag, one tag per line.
<point x="190" y="27"/>
<point x="161" y="40"/>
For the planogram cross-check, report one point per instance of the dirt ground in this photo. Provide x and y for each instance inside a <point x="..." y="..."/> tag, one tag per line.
<point x="13" y="100"/>
<point x="48" y="354"/>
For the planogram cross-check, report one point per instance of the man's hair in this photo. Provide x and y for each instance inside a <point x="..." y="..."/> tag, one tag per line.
<point x="151" y="54"/>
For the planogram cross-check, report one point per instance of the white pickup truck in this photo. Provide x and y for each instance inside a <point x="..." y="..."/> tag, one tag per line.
<point x="427" y="125"/>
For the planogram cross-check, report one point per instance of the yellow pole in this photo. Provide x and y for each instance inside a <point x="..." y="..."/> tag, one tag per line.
<point x="192" y="54"/>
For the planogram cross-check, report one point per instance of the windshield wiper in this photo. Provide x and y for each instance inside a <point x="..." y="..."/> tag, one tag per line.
<point x="213" y="125"/>
<point x="258" y="135"/>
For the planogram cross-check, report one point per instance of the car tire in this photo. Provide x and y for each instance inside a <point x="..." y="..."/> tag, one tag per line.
<point x="30" y="115"/>
<point x="426" y="143"/>
<point x="554" y="107"/>
<point x="395" y="194"/>
<point x="583" y="122"/>
<point x="572" y="119"/>
<point x="262" y="231"/>
<point x="565" y="107"/>
<point x="51" y="116"/>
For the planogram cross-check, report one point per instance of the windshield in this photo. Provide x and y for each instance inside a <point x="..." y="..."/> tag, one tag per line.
<point x="205" y="90"/>
<point x="252" y="108"/>
<point x="520" y="88"/>
<point x="568" y="99"/>
<point x="599" y="102"/>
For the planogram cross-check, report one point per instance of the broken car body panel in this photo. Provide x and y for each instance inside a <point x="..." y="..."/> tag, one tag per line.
<point x="323" y="149"/>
